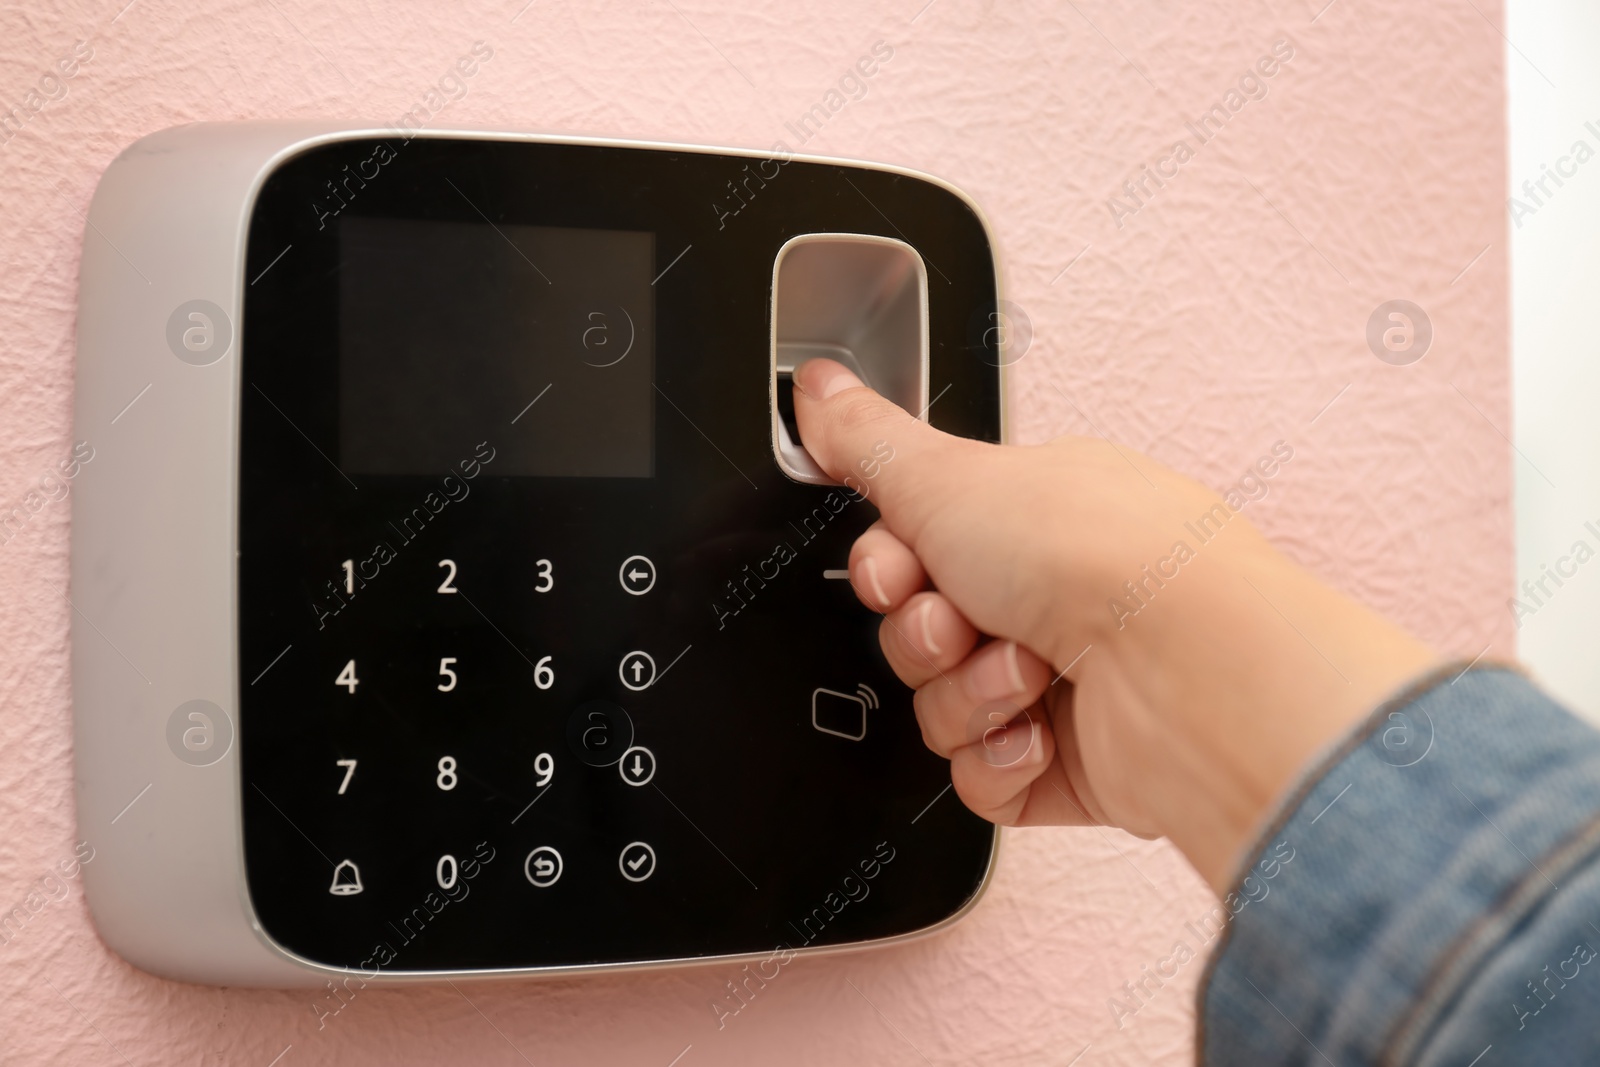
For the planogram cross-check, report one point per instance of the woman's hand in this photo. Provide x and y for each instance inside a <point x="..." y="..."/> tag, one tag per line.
<point x="1093" y="637"/>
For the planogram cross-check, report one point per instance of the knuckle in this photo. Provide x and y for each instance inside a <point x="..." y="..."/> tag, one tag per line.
<point x="932" y="736"/>
<point x="858" y="411"/>
<point x="979" y="799"/>
<point x="889" y="641"/>
<point x="930" y="742"/>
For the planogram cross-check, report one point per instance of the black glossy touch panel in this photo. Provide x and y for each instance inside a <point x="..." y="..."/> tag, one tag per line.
<point x="541" y="659"/>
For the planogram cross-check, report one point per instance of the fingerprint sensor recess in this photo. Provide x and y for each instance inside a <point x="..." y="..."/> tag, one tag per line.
<point x="859" y="299"/>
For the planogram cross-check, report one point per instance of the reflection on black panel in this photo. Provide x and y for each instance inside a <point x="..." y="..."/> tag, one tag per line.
<point x="448" y="328"/>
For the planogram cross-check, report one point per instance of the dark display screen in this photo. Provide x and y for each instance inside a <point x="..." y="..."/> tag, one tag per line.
<point x="452" y="332"/>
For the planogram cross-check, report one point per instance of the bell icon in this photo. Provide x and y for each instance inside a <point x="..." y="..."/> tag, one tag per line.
<point x="346" y="880"/>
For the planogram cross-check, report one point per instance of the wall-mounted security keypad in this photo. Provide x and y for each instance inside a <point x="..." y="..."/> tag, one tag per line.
<point x="546" y="655"/>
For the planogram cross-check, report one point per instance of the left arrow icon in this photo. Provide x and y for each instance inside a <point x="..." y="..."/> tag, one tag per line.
<point x="637" y="575"/>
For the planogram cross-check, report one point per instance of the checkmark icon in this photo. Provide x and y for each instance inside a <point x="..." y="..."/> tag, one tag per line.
<point x="637" y="861"/>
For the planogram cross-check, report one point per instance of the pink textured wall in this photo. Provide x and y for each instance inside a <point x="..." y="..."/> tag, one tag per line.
<point x="1228" y="312"/>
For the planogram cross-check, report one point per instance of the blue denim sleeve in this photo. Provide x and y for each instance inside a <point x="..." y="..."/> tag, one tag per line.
<point x="1429" y="894"/>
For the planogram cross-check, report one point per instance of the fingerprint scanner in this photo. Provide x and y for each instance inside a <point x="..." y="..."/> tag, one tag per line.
<point x="859" y="299"/>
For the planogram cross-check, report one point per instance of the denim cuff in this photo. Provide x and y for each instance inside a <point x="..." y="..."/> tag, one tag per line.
<point x="1399" y="866"/>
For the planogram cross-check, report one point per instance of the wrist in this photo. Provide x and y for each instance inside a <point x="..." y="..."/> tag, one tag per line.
<point x="1249" y="669"/>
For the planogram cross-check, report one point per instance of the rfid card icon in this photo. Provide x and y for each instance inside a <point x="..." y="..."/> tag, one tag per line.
<point x="842" y="714"/>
